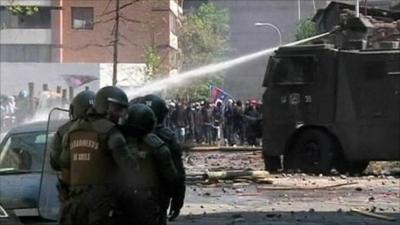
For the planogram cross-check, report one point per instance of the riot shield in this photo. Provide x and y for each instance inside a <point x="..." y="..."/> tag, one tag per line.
<point x="48" y="195"/>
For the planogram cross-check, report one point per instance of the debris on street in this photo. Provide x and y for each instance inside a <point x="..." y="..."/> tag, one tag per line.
<point x="371" y="214"/>
<point x="231" y="187"/>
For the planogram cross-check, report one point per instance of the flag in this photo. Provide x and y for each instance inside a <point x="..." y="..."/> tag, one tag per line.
<point x="219" y="94"/>
<point x="78" y="80"/>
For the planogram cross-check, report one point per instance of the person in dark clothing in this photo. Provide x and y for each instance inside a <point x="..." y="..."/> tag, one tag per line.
<point x="205" y="120"/>
<point x="170" y="117"/>
<point x="176" y="195"/>
<point x="81" y="103"/>
<point x="191" y="117"/>
<point x="198" y="123"/>
<point x="259" y="121"/>
<point x="229" y="122"/>
<point x="217" y="121"/>
<point x="180" y="121"/>
<point x="238" y="122"/>
<point x="252" y="118"/>
<point x="95" y="152"/>
<point x="143" y="190"/>
<point x="246" y="106"/>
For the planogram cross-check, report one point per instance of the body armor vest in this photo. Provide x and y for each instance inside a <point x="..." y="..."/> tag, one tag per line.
<point x="91" y="162"/>
<point x="56" y="151"/>
<point x="146" y="176"/>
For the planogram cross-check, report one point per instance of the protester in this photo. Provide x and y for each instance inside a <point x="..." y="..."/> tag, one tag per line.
<point x="213" y="123"/>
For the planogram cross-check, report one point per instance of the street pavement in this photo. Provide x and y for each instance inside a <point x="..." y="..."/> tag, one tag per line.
<point x="285" y="198"/>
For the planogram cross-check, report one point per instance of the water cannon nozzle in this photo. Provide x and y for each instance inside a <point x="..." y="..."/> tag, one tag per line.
<point x="336" y="29"/>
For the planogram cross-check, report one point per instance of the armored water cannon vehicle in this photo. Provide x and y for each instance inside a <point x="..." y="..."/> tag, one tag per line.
<point x="333" y="105"/>
<point x="374" y="28"/>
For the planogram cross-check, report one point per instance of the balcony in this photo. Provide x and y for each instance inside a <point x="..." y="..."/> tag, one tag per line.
<point x="24" y="36"/>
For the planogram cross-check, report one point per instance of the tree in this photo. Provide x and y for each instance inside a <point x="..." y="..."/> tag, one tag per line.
<point x="22" y="9"/>
<point x="116" y="14"/>
<point x="153" y="62"/>
<point x="203" y="38"/>
<point x="305" y="28"/>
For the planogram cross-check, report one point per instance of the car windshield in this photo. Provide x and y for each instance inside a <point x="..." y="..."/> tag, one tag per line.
<point x="23" y="152"/>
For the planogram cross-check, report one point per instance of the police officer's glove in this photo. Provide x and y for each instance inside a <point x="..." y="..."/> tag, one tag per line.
<point x="173" y="213"/>
<point x="177" y="201"/>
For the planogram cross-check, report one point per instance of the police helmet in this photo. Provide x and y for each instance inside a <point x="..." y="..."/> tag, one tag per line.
<point x="157" y="104"/>
<point x="141" y="119"/>
<point x="135" y="100"/>
<point x="81" y="103"/>
<point x="109" y="94"/>
<point x="23" y="94"/>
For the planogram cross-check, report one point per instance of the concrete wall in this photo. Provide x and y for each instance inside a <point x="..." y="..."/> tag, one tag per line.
<point x="129" y="74"/>
<point x="15" y="77"/>
<point x="24" y="36"/>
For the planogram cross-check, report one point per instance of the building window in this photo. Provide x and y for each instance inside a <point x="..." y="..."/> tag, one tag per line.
<point x="172" y="23"/>
<point x="293" y="71"/>
<point x="82" y="18"/>
<point x="40" y="19"/>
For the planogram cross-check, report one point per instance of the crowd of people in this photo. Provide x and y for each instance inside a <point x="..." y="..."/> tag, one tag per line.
<point x="22" y="108"/>
<point x="14" y="109"/>
<point x="221" y="123"/>
<point x="199" y="123"/>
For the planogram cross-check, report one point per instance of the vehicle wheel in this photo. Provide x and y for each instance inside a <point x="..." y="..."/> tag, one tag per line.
<point x="272" y="163"/>
<point x="354" y="167"/>
<point x="311" y="152"/>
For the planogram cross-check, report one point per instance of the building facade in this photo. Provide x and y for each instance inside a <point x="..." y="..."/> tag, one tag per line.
<point x="87" y="29"/>
<point x="26" y="38"/>
<point x="84" y="31"/>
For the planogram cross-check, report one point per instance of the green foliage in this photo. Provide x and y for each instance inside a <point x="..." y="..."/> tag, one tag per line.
<point x="153" y="62"/>
<point x="203" y="39"/>
<point x="23" y="10"/>
<point x="305" y="29"/>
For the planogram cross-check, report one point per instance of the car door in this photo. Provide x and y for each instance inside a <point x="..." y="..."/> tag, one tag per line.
<point x="21" y="158"/>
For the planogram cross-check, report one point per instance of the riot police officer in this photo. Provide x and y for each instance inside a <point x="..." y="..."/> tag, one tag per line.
<point x="176" y="195"/>
<point x="78" y="108"/>
<point x="143" y="187"/>
<point x="95" y="152"/>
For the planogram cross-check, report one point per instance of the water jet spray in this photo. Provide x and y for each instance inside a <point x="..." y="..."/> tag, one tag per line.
<point x="176" y="79"/>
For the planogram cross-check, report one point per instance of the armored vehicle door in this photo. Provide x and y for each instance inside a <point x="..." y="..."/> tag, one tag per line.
<point x="300" y="91"/>
<point x="48" y="197"/>
<point x="394" y="74"/>
<point x="379" y="105"/>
